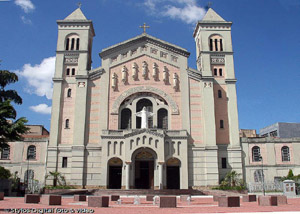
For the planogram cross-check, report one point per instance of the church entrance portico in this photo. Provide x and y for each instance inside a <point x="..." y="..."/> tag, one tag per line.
<point x="144" y="160"/>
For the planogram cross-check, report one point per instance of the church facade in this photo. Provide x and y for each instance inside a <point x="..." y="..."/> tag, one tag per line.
<point x="98" y="138"/>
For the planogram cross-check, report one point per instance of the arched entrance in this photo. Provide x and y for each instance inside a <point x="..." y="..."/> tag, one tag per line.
<point x="144" y="168"/>
<point x="173" y="173"/>
<point x="115" y="173"/>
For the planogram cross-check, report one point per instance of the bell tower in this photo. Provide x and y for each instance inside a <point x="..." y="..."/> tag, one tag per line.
<point x="69" y="104"/>
<point x="215" y="62"/>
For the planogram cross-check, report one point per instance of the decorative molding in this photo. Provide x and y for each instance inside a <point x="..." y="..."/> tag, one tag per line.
<point x="95" y="74"/>
<point x="218" y="59"/>
<point x="71" y="60"/>
<point x="129" y="92"/>
<point x="194" y="74"/>
<point x="81" y="84"/>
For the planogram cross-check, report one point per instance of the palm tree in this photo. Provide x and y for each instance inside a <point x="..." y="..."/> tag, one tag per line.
<point x="57" y="178"/>
<point x="233" y="178"/>
<point x="10" y="128"/>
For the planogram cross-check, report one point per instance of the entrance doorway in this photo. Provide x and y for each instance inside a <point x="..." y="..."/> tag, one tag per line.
<point x="144" y="170"/>
<point x="173" y="173"/>
<point x="115" y="173"/>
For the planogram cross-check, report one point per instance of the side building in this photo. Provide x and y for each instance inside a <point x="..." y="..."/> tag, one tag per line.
<point x="27" y="158"/>
<point x="281" y="130"/>
<point x="273" y="157"/>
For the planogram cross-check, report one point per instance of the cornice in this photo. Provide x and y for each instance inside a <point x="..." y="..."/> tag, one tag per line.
<point x="194" y="74"/>
<point x="230" y="80"/>
<point x="71" y="53"/>
<point x="217" y="52"/>
<point x="57" y="79"/>
<point x="210" y="24"/>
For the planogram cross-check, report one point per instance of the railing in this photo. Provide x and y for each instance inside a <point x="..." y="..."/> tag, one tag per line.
<point x="268" y="187"/>
<point x="34" y="186"/>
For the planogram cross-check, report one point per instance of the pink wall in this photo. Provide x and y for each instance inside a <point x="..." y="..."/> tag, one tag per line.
<point x="221" y="113"/>
<point x="263" y="153"/>
<point x="68" y="107"/>
<point x="196" y="112"/>
<point x="94" y="113"/>
<point x="113" y="95"/>
<point x="278" y="153"/>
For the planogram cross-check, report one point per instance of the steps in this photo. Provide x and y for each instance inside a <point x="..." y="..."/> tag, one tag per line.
<point x="147" y="192"/>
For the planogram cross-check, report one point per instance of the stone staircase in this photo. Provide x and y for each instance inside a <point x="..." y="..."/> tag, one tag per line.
<point x="97" y="192"/>
<point x="147" y="192"/>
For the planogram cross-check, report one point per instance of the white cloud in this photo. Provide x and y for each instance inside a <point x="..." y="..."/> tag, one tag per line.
<point x="185" y="10"/>
<point x="25" y="20"/>
<point x="26" y="5"/>
<point x="39" y="77"/>
<point x="41" y="108"/>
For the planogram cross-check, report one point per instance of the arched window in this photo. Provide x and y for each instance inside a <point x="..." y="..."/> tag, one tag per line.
<point x="221" y="45"/>
<point x="28" y="176"/>
<point x="215" y="71"/>
<point x="221" y="124"/>
<point x="77" y="44"/>
<point x="67" y="44"/>
<point x="72" y="43"/>
<point x="258" y="175"/>
<point x="216" y="43"/>
<point x="162" y="119"/>
<point x="67" y="124"/>
<point x="285" y="153"/>
<point x="220" y="72"/>
<point x="211" y="45"/>
<point x="68" y="72"/>
<point x="139" y="106"/>
<point x="69" y="92"/>
<point x="256" y="154"/>
<point x="126" y="118"/>
<point x="31" y="152"/>
<point x="73" y="71"/>
<point x="5" y="153"/>
<point x="219" y="94"/>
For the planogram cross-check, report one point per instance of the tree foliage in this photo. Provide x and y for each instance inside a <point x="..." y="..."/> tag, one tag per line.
<point x="4" y="173"/>
<point x="11" y="129"/>
<point x="232" y="181"/>
<point x="291" y="176"/>
<point x="57" y="178"/>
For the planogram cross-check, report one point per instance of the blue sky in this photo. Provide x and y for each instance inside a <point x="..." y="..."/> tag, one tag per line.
<point x="265" y="34"/>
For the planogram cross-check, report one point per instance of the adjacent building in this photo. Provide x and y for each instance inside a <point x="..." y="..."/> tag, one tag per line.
<point x="281" y="130"/>
<point x="27" y="158"/>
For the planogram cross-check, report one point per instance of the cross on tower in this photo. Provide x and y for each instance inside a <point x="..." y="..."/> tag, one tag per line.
<point x="144" y="26"/>
<point x="209" y="4"/>
<point x="79" y="4"/>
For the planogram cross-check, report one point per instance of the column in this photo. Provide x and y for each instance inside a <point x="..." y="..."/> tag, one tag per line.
<point x="128" y="174"/>
<point x="160" y="174"/>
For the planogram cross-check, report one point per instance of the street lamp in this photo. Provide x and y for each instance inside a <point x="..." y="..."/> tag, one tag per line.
<point x="28" y="157"/>
<point x="263" y="175"/>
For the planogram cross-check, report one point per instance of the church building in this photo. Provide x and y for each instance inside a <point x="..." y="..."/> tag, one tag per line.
<point x="144" y="119"/>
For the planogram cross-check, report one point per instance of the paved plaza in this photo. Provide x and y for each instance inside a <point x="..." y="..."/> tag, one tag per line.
<point x="204" y="204"/>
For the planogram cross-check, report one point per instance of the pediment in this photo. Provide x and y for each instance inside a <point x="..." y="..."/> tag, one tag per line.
<point x="141" y="40"/>
<point x="144" y="131"/>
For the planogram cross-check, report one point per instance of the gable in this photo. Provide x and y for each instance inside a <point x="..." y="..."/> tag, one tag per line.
<point x="138" y="43"/>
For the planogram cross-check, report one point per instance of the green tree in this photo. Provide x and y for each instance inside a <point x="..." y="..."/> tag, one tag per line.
<point x="57" y="178"/>
<point x="4" y="173"/>
<point x="11" y="129"/>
